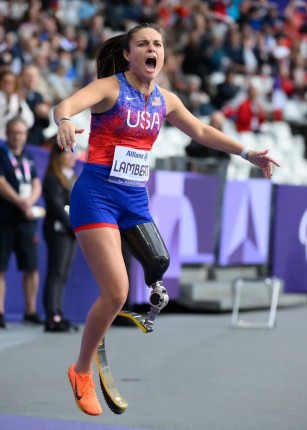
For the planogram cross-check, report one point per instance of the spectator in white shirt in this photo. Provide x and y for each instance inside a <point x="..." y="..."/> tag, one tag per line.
<point x="12" y="103"/>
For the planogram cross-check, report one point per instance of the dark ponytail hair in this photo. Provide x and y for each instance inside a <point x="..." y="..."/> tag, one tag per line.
<point x="110" y="59"/>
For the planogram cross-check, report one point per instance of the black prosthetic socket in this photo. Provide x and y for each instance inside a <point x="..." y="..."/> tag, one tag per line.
<point x="147" y="246"/>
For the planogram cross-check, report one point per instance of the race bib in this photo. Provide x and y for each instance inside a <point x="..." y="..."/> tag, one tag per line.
<point x="130" y="167"/>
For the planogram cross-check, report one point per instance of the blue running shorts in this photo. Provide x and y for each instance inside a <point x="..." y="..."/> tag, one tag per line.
<point x="96" y="203"/>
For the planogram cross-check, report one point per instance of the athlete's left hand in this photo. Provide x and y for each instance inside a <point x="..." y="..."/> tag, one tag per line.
<point x="264" y="161"/>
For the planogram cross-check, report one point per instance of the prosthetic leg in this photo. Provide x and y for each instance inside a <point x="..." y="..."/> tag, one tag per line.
<point x="146" y="245"/>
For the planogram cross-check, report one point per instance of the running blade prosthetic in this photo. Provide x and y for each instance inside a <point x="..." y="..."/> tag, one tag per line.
<point x="113" y="398"/>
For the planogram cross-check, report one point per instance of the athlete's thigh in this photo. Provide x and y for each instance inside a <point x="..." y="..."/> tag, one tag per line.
<point x="102" y="250"/>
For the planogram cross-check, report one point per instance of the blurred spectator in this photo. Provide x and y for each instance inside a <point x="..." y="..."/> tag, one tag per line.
<point x="29" y="86"/>
<point x="250" y="60"/>
<point x="300" y="75"/>
<point x="80" y="60"/>
<point x="61" y="85"/>
<point x="95" y="35"/>
<point x="273" y="18"/>
<point x="65" y="57"/>
<point x="90" y="8"/>
<point x="60" y="239"/>
<point x="49" y="27"/>
<point x="31" y="18"/>
<point x="41" y="59"/>
<point x="194" y="149"/>
<point x="5" y="61"/>
<point x="250" y="113"/>
<point x="234" y="49"/>
<point x="216" y="54"/>
<point x="149" y="11"/>
<point x="194" y="56"/>
<point x="24" y="50"/>
<point x="172" y="75"/>
<point x="281" y="50"/>
<point x="20" y="188"/>
<point x="68" y="40"/>
<point x="278" y="100"/>
<point x="226" y="91"/>
<point x="286" y="79"/>
<point x="12" y="103"/>
<point x="296" y="15"/>
<point x="197" y="101"/>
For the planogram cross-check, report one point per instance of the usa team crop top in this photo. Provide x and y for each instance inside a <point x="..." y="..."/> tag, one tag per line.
<point x="134" y="121"/>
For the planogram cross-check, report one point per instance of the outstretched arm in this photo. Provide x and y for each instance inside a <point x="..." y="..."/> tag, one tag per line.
<point x="206" y="135"/>
<point x="101" y="93"/>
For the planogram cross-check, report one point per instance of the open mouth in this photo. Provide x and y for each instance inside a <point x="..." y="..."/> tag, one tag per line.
<point x="151" y="63"/>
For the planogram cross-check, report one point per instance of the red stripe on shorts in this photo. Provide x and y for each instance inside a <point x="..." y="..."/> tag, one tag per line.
<point x="96" y="225"/>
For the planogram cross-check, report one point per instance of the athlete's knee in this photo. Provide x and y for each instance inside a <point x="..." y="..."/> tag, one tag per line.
<point x="116" y="300"/>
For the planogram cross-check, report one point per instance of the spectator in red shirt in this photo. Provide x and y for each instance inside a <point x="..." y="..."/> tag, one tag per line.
<point x="250" y="114"/>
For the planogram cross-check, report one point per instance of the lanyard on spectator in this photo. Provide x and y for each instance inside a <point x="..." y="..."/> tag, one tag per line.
<point x="26" y="168"/>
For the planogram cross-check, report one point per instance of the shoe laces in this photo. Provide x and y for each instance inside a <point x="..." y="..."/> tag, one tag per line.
<point x="87" y="384"/>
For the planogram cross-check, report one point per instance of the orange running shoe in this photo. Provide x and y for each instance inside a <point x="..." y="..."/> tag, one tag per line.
<point x="83" y="387"/>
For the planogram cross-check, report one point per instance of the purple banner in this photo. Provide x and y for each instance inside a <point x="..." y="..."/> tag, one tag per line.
<point x="199" y="217"/>
<point x="245" y="223"/>
<point x="289" y="248"/>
